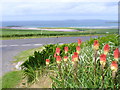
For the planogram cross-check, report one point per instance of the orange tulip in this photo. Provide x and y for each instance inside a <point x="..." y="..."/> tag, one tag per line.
<point x="103" y="59"/>
<point x="116" y="54"/>
<point x="106" y="49"/>
<point x="47" y="61"/>
<point x="78" y="49"/>
<point x="96" y="45"/>
<point x="57" y="51"/>
<point x="75" y="57"/>
<point x="114" y="66"/>
<point x="58" y="59"/>
<point x="66" y="49"/>
<point x="65" y="58"/>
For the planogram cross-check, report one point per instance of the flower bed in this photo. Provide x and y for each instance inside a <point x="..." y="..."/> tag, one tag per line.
<point x="91" y="64"/>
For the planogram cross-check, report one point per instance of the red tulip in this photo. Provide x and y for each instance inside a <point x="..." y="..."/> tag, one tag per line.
<point x="79" y="42"/>
<point x="96" y="44"/>
<point x="114" y="66"/>
<point x="75" y="56"/>
<point x="66" y="49"/>
<point x="103" y="59"/>
<point x="58" y="59"/>
<point x="78" y="49"/>
<point x="73" y="59"/>
<point x="65" y="58"/>
<point x="106" y="49"/>
<point x="116" y="54"/>
<point x="57" y="51"/>
<point x="75" y="53"/>
<point x="47" y="61"/>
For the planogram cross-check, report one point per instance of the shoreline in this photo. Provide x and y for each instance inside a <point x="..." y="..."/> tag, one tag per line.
<point x="64" y="29"/>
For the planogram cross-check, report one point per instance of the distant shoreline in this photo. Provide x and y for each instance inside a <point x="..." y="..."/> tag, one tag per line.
<point x="59" y="28"/>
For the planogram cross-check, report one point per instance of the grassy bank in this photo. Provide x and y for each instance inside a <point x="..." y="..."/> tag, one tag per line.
<point x="11" y="79"/>
<point x="23" y="34"/>
<point x="24" y="55"/>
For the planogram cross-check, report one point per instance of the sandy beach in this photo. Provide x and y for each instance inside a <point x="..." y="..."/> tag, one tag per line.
<point x="70" y="29"/>
<point x="24" y="28"/>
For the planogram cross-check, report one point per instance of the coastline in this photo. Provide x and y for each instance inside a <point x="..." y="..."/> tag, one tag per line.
<point x="64" y="29"/>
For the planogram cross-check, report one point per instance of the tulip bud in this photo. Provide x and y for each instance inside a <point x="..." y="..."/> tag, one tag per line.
<point x="116" y="54"/>
<point x="65" y="58"/>
<point x="47" y="61"/>
<point x="96" y="45"/>
<point x="66" y="49"/>
<point x="106" y="49"/>
<point x="78" y="49"/>
<point x="57" y="51"/>
<point x="73" y="59"/>
<point x="75" y="56"/>
<point x="114" y="66"/>
<point x="58" y="59"/>
<point x="103" y="60"/>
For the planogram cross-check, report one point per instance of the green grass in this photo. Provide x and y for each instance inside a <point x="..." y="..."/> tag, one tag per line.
<point x="22" y="34"/>
<point x="24" y="55"/>
<point x="28" y="37"/>
<point x="101" y="30"/>
<point x="0" y="83"/>
<point x="11" y="79"/>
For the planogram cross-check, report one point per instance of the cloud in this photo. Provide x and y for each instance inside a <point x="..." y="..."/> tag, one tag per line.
<point x="40" y="9"/>
<point x="60" y="1"/>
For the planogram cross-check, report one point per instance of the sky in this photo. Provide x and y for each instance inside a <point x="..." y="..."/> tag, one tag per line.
<point x="27" y="10"/>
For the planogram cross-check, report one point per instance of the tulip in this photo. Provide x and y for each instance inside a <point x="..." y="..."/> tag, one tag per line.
<point x="75" y="57"/>
<point x="58" y="59"/>
<point x="57" y="51"/>
<point x="65" y="58"/>
<point x="47" y="61"/>
<point x="106" y="49"/>
<point x="96" y="45"/>
<point x="103" y="60"/>
<point x="116" y="54"/>
<point x="78" y="49"/>
<point x="79" y="42"/>
<point x="114" y="66"/>
<point x="75" y="53"/>
<point x="66" y="49"/>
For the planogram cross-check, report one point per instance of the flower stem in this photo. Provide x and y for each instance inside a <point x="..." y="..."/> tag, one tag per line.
<point x="59" y="68"/>
<point x="75" y="71"/>
<point x="114" y="79"/>
<point x="102" y="77"/>
<point x="95" y="57"/>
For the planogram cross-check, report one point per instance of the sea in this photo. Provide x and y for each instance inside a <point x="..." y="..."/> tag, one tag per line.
<point x="62" y="23"/>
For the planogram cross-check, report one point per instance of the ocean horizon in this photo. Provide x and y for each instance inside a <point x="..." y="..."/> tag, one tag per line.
<point x="62" y="23"/>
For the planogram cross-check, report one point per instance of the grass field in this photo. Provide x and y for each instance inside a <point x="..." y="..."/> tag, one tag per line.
<point x="19" y="34"/>
<point x="11" y="79"/>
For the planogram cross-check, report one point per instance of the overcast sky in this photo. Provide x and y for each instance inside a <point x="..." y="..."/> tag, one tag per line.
<point x="19" y="10"/>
